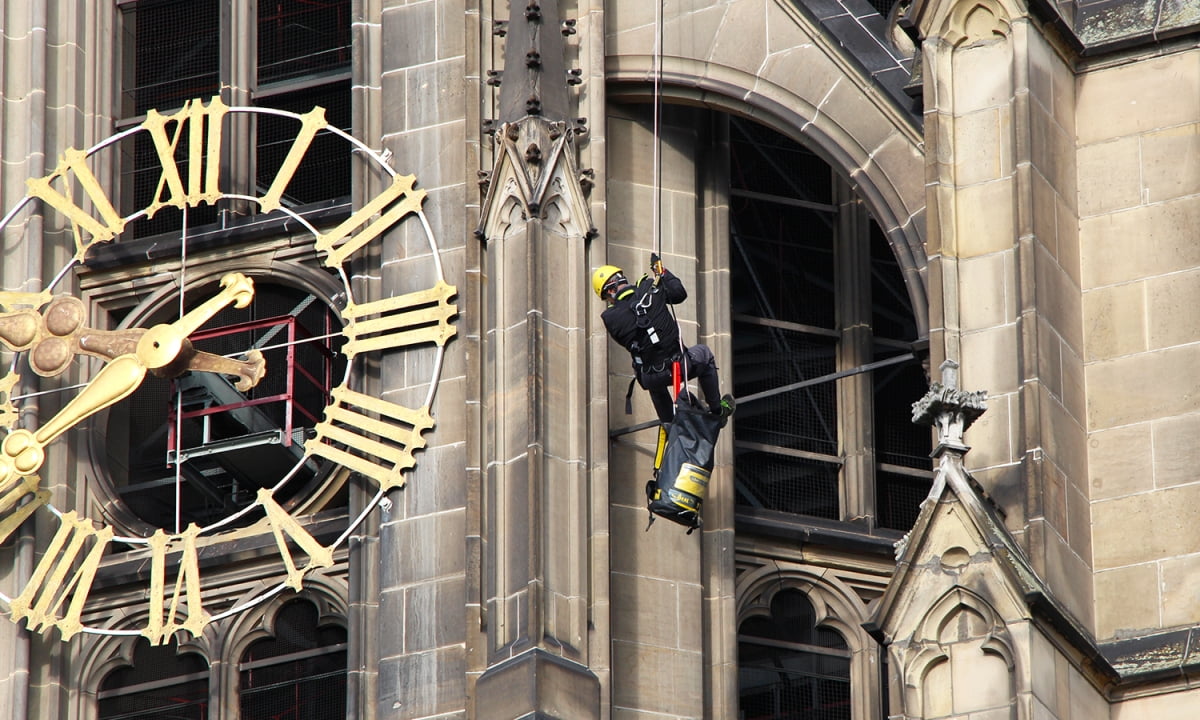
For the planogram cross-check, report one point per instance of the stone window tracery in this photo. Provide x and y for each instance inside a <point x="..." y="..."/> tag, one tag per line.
<point x="287" y="661"/>
<point x="788" y="667"/>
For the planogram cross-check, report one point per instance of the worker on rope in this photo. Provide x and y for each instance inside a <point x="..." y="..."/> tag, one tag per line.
<point x="640" y="320"/>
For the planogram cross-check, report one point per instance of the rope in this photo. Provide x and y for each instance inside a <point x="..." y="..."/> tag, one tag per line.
<point x="656" y="217"/>
<point x="657" y="150"/>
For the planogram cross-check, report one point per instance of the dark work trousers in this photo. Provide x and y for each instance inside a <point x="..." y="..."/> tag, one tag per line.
<point x="700" y="365"/>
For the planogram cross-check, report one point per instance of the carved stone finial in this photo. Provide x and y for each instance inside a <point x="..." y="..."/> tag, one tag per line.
<point x="950" y="410"/>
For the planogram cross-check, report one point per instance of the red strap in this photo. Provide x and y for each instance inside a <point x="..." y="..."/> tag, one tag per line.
<point x="675" y="378"/>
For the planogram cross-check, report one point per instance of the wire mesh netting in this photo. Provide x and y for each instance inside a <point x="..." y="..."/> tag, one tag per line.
<point x="171" y="53"/>
<point x="160" y="684"/>
<point x="770" y="481"/>
<point x="764" y="161"/>
<point x="769" y="476"/>
<point x="789" y="669"/>
<point x="297" y="38"/>
<point x="900" y="442"/>
<point x="300" y="674"/>
<point x="898" y="499"/>
<point x="324" y="172"/>
<point x="770" y="359"/>
<point x="786" y="280"/>
<point x="142" y="180"/>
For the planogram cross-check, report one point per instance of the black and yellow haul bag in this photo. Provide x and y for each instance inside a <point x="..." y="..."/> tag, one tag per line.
<point x="681" y="481"/>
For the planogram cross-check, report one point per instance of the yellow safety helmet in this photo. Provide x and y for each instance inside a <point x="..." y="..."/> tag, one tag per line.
<point x="601" y="276"/>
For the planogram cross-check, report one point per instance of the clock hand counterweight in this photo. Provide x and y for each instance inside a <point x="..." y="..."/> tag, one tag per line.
<point x="56" y="335"/>
<point x="22" y="452"/>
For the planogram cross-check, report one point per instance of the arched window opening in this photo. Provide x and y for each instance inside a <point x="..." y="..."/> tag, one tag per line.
<point x="231" y="443"/>
<point x="790" y="669"/>
<point x="299" y="674"/>
<point x="823" y="333"/>
<point x="161" y="683"/>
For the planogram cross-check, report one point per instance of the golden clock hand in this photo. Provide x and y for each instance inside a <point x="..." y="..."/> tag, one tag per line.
<point x="161" y="344"/>
<point x="57" y="334"/>
<point x="22" y="451"/>
<point x="108" y="344"/>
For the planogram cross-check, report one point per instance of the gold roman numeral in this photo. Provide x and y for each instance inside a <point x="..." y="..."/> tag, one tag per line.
<point x="42" y="599"/>
<point x="202" y="123"/>
<point x="74" y="165"/>
<point x="159" y="629"/>
<point x="11" y="495"/>
<point x="380" y="447"/>
<point x="340" y="244"/>
<point x="311" y="123"/>
<point x="409" y="319"/>
<point x="285" y="527"/>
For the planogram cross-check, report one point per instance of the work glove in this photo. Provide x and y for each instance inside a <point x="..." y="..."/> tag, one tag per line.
<point x="656" y="267"/>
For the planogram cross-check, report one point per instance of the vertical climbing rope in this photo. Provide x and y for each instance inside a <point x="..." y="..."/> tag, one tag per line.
<point x="656" y="218"/>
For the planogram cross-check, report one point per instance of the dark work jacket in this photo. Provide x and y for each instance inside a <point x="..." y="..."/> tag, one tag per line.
<point x="638" y="311"/>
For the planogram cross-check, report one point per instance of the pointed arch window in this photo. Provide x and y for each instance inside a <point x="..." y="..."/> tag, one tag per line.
<point x="790" y="669"/>
<point x="161" y="683"/>
<point x="299" y="673"/>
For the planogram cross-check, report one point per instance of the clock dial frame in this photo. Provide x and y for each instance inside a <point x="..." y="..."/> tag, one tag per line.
<point x="362" y="433"/>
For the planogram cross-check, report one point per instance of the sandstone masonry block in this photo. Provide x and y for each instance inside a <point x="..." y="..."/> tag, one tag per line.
<point x="1138" y="97"/>
<point x="1110" y="176"/>
<point x="1114" y="321"/>
<point x="1139" y="529"/>
<point x="1121" y="609"/>
<point x="1143" y="387"/>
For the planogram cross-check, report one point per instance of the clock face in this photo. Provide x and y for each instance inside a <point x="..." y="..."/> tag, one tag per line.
<point x="223" y="399"/>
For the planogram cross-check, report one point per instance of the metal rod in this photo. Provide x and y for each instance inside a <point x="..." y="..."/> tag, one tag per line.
<point x="827" y="378"/>
<point x="906" y="357"/>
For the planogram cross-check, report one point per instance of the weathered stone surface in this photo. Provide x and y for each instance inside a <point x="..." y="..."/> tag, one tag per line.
<point x="1145" y="528"/>
<point x="1114" y="321"/>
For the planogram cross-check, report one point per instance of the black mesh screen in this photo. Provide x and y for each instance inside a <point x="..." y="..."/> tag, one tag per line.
<point x="770" y="358"/>
<point x="900" y="442"/>
<point x="897" y="440"/>
<point x="297" y="38"/>
<point x="168" y="686"/>
<point x="898" y="499"/>
<point x="300" y="674"/>
<point x="782" y="260"/>
<point x="883" y="7"/>
<point x="324" y="172"/>
<point x="171" y="53"/>
<point x="771" y="481"/>
<point x="797" y="671"/>
<point x="764" y="161"/>
<point x="782" y="273"/>
<point x="891" y="307"/>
